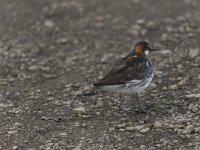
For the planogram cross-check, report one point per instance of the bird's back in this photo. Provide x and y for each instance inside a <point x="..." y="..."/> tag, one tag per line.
<point x="127" y="69"/>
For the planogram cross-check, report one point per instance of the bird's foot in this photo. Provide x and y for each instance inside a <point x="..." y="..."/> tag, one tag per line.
<point x="141" y="110"/>
<point x="145" y="109"/>
<point x="138" y="109"/>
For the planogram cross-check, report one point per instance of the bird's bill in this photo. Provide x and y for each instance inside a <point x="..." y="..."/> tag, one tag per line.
<point x="151" y="50"/>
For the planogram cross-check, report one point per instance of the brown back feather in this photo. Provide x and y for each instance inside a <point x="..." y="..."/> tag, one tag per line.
<point x="128" y="68"/>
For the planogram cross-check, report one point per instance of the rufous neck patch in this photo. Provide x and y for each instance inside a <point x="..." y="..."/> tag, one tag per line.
<point x="139" y="50"/>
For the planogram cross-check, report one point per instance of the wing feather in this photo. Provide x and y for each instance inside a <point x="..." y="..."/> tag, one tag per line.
<point x="128" y="68"/>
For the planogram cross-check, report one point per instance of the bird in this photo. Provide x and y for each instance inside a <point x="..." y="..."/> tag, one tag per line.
<point x="131" y="74"/>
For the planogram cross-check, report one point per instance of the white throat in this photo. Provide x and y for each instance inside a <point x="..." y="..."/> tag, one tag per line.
<point x="146" y="51"/>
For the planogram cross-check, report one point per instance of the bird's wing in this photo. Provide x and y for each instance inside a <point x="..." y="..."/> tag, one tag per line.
<point x="131" y="68"/>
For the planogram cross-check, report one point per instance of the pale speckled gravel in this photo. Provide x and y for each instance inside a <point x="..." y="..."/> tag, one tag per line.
<point x="52" y="51"/>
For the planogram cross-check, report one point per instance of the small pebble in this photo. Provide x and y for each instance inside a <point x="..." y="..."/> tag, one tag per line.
<point x="143" y="147"/>
<point x="15" y="147"/>
<point x="197" y="130"/>
<point x="193" y="95"/>
<point x="145" y="130"/>
<point x="173" y="87"/>
<point x="182" y="82"/>
<point x="44" y="118"/>
<point x="189" y="129"/>
<point x="79" y="110"/>
<point x="62" y="41"/>
<point x="157" y="124"/>
<point x="130" y="128"/>
<point x="111" y="129"/>
<point x="49" y="23"/>
<point x="141" y="122"/>
<point x="194" y="52"/>
<point x="193" y="107"/>
<point x="33" y="68"/>
<point x="139" y="127"/>
<point x="63" y="134"/>
<point x="18" y="124"/>
<point x="78" y="93"/>
<point x="140" y="21"/>
<point x="164" y="37"/>
<point x="122" y="130"/>
<point x="12" y="132"/>
<point x="150" y="25"/>
<point x="121" y="125"/>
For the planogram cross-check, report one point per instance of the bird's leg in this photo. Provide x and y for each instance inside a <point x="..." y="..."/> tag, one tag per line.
<point x="138" y="101"/>
<point x="120" y="97"/>
<point x="139" y="104"/>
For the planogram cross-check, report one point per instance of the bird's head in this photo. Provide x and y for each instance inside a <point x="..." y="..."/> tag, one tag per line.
<point x="142" y="48"/>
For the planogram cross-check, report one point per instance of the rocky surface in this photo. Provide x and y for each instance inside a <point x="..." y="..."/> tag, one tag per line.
<point x="52" y="51"/>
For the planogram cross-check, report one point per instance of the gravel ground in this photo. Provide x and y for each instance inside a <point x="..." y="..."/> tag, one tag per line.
<point x="52" y="50"/>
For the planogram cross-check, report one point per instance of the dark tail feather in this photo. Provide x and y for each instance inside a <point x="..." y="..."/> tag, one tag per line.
<point x="96" y="84"/>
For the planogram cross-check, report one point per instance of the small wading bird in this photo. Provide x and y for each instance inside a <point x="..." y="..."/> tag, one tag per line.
<point x="131" y="74"/>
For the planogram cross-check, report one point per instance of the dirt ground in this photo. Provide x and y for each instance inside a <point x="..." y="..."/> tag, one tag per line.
<point x="51" y="51"/>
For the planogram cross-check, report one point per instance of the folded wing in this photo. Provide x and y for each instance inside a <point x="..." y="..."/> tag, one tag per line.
<point x="129" y="68"/>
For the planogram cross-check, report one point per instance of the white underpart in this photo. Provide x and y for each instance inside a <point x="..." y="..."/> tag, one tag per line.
<point x="146" y="51"/>
<point x="131" y="87"/>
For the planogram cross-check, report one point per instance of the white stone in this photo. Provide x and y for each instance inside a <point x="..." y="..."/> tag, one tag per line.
<point x="79" y="110"/>
<point x="33" y="68"/>
<point x="121" y="125"/>
<point x="139" y="127"/>
<point x="157" y="124"/>
<point x="12" y="132"/>
<point x="63" y="134"/>
<point x="140" y="21"/>
<point x="193" y="95"/>
<point x="182" y="82"/>
<point x="197" y="130"/>
<point x="130" y="128"/>
<point x="78" y="93"/>
<point x="49" y="23"/>
<point x="193" y="52"/>
<point x="143" y="147"/>
<point x="174" y="87"/>
<point x="193" y="108"/>
<point x="189" y="129"/>
<point x="145" y="130"/>
<point x="15" y="147"/>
